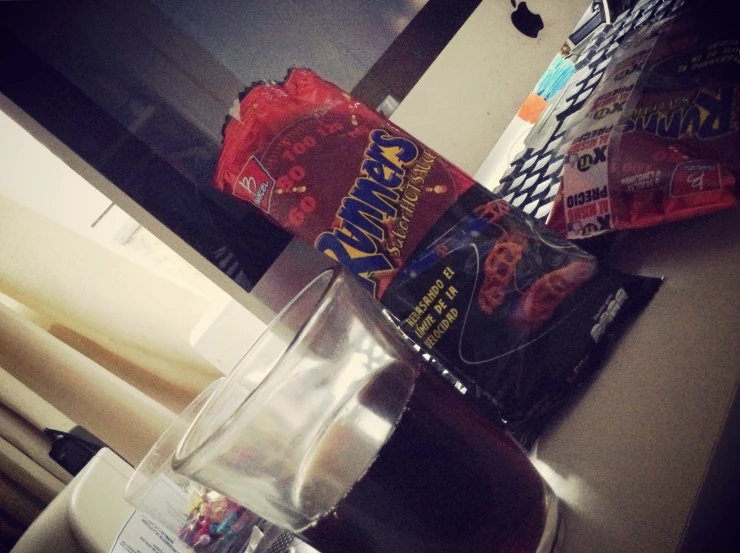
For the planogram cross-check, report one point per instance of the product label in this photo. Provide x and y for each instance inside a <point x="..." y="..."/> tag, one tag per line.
<point x="142" y="534"/>
<point x="706" y="116"/>
<point x="695" y="177"/>
<point x="167" y="503"/>
<point x="380" y="196"/>
<point x="588" y="206"/>
<point x="255" y="185"/>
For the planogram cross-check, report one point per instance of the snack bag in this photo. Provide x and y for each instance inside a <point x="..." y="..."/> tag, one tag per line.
<point x="659" y="138"/>
<point x="515" y="313"/>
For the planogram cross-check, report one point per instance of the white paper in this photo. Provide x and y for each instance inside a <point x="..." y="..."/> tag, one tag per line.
<point x="166" y="503"/>
<point x="142" y="535"/>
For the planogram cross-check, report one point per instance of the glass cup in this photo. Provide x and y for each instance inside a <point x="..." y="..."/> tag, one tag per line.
<point x="333" y="428"/>
<point x="201" y="519"/>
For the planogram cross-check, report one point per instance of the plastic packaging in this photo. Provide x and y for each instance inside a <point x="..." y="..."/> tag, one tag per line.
<point x="517" y="315"/>
<point x="659" y="138"/>
<point x="204" y="520"/>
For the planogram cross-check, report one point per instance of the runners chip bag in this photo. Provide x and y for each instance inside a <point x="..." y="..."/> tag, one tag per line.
<point x="517" y="315"/>
<point x="659" y="138"/>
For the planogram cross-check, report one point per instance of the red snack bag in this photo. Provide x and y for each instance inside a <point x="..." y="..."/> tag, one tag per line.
<point x="660" y="136"/>
<point x="516" y="313"/>
<point x="295" y="144"/>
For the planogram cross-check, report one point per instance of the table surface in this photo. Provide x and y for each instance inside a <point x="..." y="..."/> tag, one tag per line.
<point x="631" y="454"/>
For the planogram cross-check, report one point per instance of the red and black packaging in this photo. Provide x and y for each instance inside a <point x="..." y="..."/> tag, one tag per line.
<point x="659" y="138"/>
<point x="517" y="314"/>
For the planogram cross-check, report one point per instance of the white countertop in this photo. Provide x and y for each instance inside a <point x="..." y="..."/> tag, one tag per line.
<point x="629" y="456"/>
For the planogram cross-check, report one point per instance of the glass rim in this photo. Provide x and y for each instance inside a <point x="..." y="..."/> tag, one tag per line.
<point x="139" y="480"/>
<point x="184" y="460"/>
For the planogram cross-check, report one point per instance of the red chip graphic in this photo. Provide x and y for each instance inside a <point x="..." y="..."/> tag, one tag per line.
<point x="255" y="185"/>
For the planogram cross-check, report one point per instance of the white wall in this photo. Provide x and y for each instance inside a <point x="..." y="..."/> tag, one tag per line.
<point x="257" y="39"/>
<point x="34" y="178"/>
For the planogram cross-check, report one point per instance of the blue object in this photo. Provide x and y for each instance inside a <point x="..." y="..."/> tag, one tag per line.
<point x="555" y="77"/>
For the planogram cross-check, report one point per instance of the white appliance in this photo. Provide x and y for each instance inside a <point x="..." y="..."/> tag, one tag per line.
<point x="88" y="515"/>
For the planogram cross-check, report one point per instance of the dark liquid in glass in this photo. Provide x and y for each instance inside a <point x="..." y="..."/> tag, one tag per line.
<point x="448" y="480"/>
